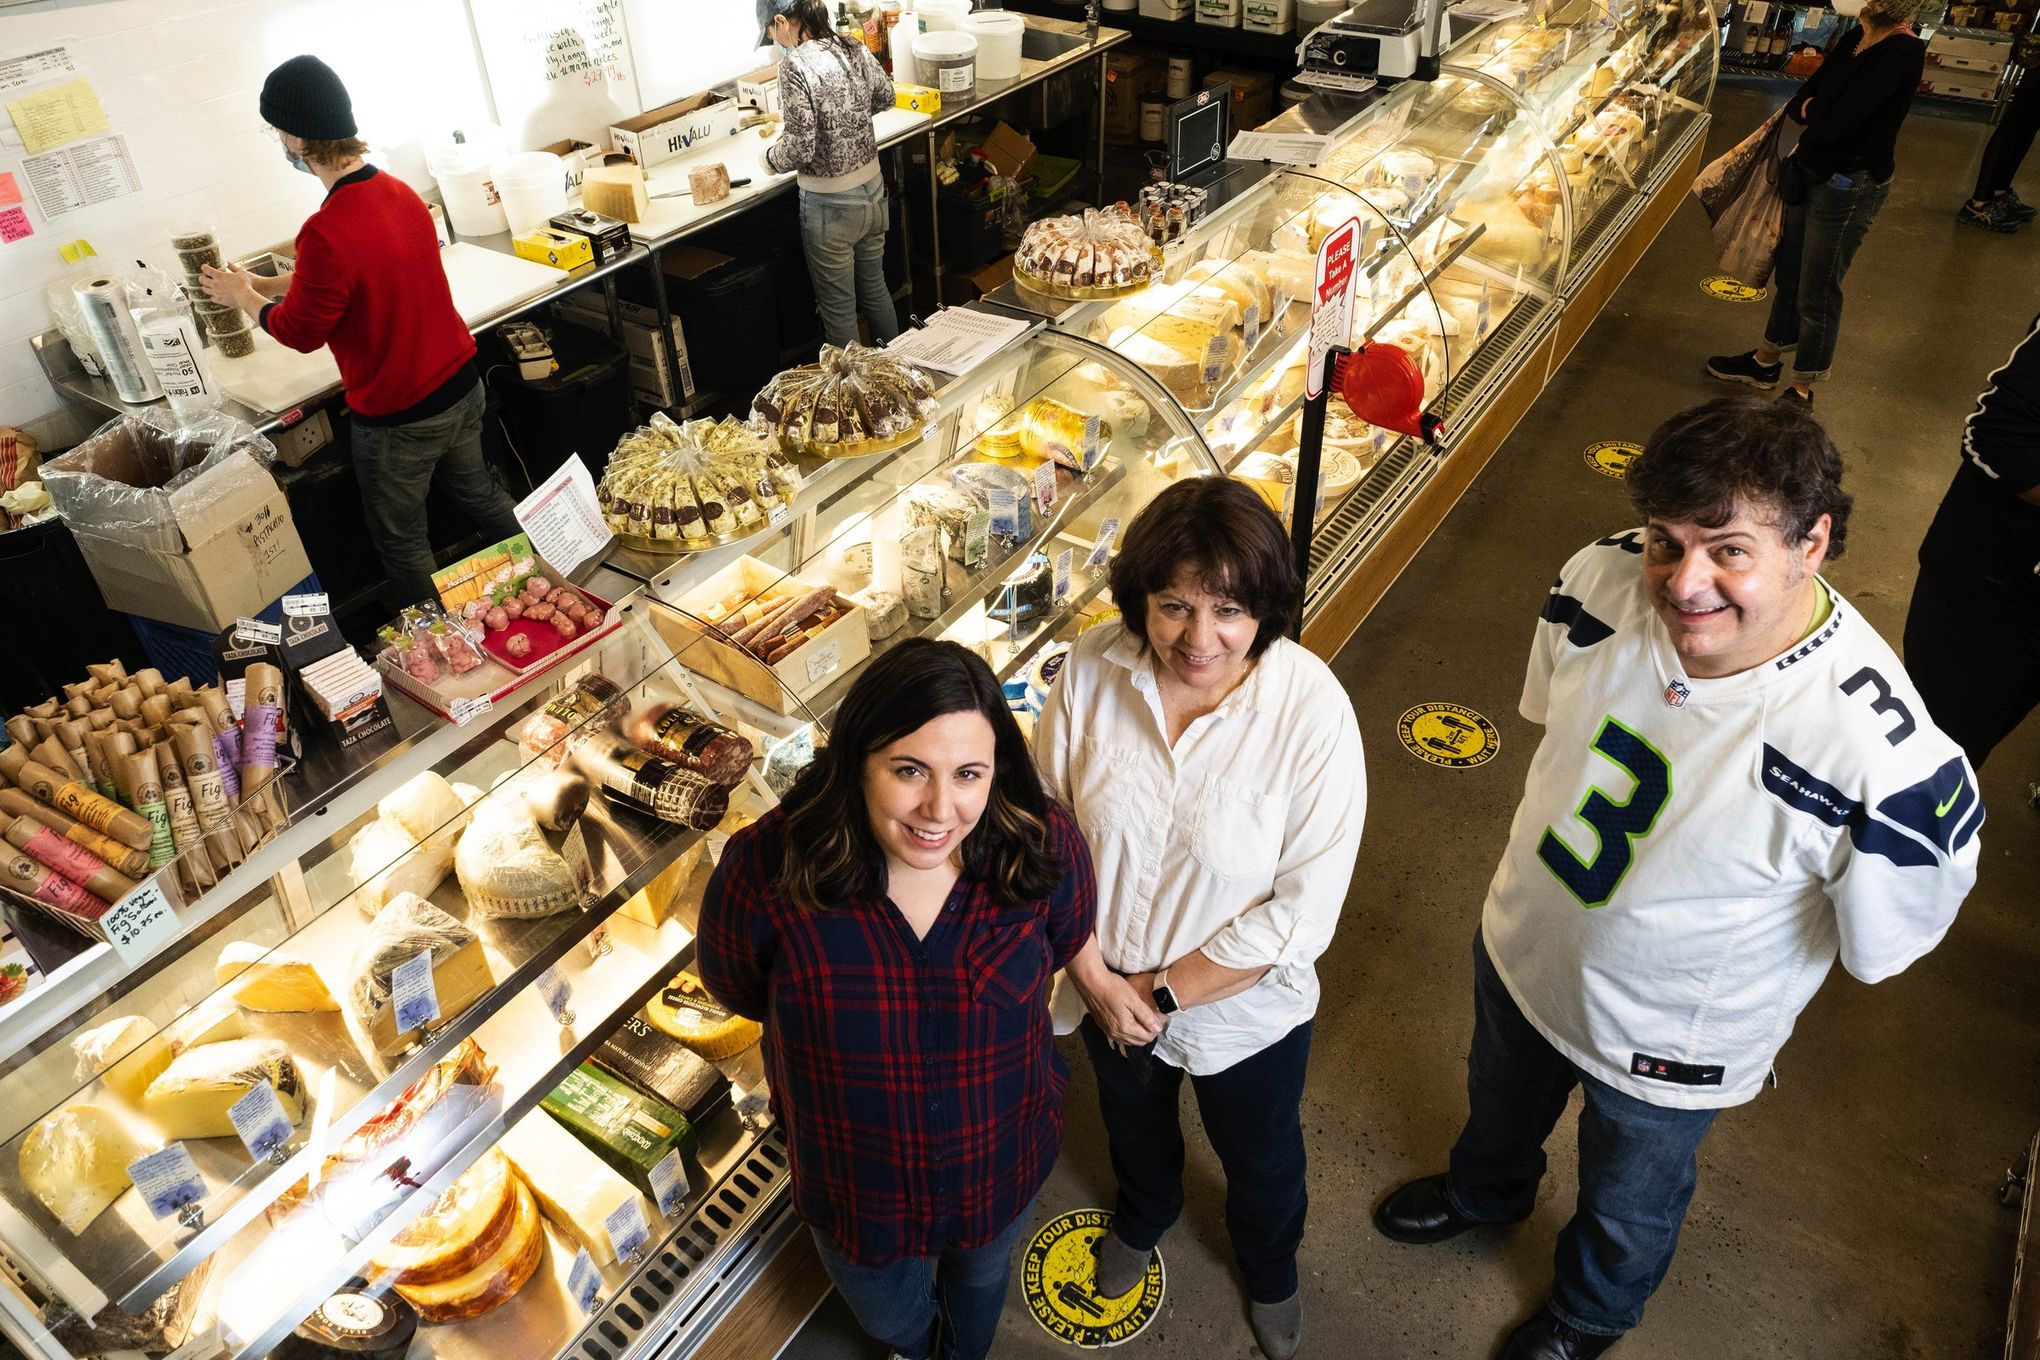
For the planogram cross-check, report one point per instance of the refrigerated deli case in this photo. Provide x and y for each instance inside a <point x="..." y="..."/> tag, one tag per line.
<point x="303" y="974"/>
<point x="1500" y="206"/>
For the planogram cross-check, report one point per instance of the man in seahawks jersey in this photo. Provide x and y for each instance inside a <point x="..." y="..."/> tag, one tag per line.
<point x="1737" y="784"/>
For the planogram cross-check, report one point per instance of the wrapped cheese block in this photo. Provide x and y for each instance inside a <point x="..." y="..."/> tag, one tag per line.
<point x="75" y="1161"/>
<point x="888" y="612"/>
<point x="629" y="1130"/>
<point x="192" y="1096"/>
<point x="661" y="1066"/>
<point x="574" y="1188"/>
<point x="709" y="183"/>
<point x="402" y="930"/>
<point x="161" y="1328"/>
<point x="505" y="865"/>
<point x="271" y="980"/>
<point x="386" y="859"/>
<point x="495" y="1279"/>
<point x="464" y="1227"/>
<point x="126" y="1053"/>
<point x="428" y="808"/>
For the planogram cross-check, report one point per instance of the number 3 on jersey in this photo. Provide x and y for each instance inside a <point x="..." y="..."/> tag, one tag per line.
<point x="1615" y="824"/>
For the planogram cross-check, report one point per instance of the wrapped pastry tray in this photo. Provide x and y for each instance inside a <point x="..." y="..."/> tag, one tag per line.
<point x="1082" y="293"/>
<point x="682" y="547"/>
<point x="862" y="448"/>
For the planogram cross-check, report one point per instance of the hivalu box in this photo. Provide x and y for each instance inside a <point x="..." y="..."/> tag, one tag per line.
<point x="660" y="135"/>
<point x="176" y="527"/>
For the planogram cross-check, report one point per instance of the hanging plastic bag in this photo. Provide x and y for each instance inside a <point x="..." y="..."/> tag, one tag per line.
<point x="1740" y="195"/>
<point x="170" y="339"/>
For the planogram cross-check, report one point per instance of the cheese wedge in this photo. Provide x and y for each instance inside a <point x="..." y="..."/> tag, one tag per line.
<point x="492" y="1282"/>
<point x="385" y="859"/>
<point x="576" y="1190"/>
<point x="655" y="903"/>
<point x="192" y="1097"/>
<point x="465" y="1227"/>
<point x="214" y="1022"/>
<point x="126" y="1053"/>
<point x="402" y="930"/>
<point x="685" y="1010"/>
<point x="271" y="980"/>
<point x="75" y="1161"/>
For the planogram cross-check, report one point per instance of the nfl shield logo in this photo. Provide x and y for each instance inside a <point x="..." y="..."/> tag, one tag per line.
<point x="1676" y="693"/>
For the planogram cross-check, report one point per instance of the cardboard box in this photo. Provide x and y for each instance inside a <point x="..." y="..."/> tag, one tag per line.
<point x="608" y="237"/>
<point x="1128" y="76"/>
<point x="639" y="334"/>
<point x="1007" y="150"/>
<point x="1964" y="59"/>
<point x="578" y="155"/>
<point x="917" y="99"/>
<point x="760" y="89"/>
<point x="959" y="288"/>
<point x="658" y="136"/>
<point x="1961" y="85"/>
<point x="219" y="547"/>
<point x="549" y="245"/>
<point x="1945" y="45"/>
<point x="831" y="653"/>
<point x="1253" y="95"/>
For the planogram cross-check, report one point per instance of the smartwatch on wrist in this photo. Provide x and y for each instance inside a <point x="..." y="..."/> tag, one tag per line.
<point x="1165" y="999"/>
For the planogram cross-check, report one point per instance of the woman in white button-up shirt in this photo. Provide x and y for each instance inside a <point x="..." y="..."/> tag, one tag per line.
<point x="1215" y="768"/>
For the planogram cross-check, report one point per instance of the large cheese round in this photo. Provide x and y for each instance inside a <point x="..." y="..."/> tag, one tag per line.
<point x="495" y="1279"/>
<point x="464" y="1228"/>
<point x="685" y="1010"/>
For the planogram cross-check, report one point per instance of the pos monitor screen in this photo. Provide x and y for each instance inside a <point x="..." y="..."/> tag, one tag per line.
<point x="1197" y="131"/>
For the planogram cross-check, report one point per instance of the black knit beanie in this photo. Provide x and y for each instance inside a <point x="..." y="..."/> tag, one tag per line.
<point x="305" y="98"/>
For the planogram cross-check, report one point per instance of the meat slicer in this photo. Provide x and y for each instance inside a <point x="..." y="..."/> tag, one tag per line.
<point x="1373" y="43"/>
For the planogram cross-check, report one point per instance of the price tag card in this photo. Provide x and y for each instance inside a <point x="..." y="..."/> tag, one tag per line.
<point x="168" y="1180"/>
<point x="140" y="923"/>
<point x="1102" y="549"/>
<point x="1250" y="324"/>
<point x="977" y="537"/>
<point x="414" y="993"/>
<point x="563" y="517"/>
<point x="557" y="993"/>
<point x="1005" y="507"/>
<point x="824" y="659"/>
<point x="255" y="630"/>
<point x="1044" y="485"/>
<point x="306" y="606"/>
<point x="1064" y="563"/>
<point x="1093" y="429"/>
<point x="1214" y="358"/>
<point x="259" y="1118"/>
<point x="780" y="516"/>
<point x="465" y="711"/>
<point x="584" y="1281"/>
<point x="574" y="850"/>
<point x="1815" y="16"/>
<point x="669" y="1183"/>
<point x="1758" y="12"/>
<point x="627" y="1229"/>
<point x="1484" y="315"/>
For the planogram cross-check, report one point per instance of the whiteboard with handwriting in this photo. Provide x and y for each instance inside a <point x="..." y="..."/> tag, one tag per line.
<point x="559" y="68"/>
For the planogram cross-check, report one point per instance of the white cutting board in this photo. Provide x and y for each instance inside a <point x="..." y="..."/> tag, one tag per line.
<point x="485" y="283"/>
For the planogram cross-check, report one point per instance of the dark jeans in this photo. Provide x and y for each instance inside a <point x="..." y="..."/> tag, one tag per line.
<point x="1252" y="1113"/>
<point x="1819" y="240"/>
<point x="398" y="464"/>
<point x="957" y="1296"/>
<point x="2010" y="140"/>
<point x="1638" y="1162"/>
<point x="1973" y="652"/>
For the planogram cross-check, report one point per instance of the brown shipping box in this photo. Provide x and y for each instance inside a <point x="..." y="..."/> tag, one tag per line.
<point x="1128" y="76"/>
<point x="220" y="547"/>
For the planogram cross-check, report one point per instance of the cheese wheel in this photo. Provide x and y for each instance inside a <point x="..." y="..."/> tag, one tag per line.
<point x="685" y="1010"/>
<point x="495" y="1280"/>
<point x="465" y="1227"/>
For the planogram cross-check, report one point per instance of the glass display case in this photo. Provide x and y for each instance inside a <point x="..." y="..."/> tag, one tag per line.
<point x="248" y="1139"/>
<point x="992" y="527"/>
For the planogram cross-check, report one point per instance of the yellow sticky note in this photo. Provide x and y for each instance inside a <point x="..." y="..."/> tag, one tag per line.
<point x="63" y="113"/>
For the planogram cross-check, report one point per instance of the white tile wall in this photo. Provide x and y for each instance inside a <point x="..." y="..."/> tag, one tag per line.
<point x="180" y="80"/>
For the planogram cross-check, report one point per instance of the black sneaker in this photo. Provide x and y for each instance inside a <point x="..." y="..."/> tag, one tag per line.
<point x="2017" y="206"/>
<point x="1744" y="368"/>
<point x="1995" y="215"/>
<point x="1792" y="396"/>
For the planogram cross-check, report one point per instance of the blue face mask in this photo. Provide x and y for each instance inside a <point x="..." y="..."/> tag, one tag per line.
<point x="296" y="162"/>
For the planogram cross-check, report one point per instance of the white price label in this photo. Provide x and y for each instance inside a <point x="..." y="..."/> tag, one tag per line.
<point x="1044" y="485"/>
<point x="306" y="606"/>
<point x="824" y="660"/>
<point x="1758" y="12"/>
<point x="1005" y="507"/>
<point x="465" y="711"/>
<point x="414" y="993"/>
<point x="1064" y="563"/>
<point x="669" y="1183"/>
<point x="1093" y="428"/>
<point x="168" y="1180"/>
<point x="584" y="1281"/>
<point x="259" y="1118"/>
<point x="1214" y="358"/>
<point x="1815" y="16"/>
<point x="627" y="1229"/>
<point x="140" y="923"/>
<point x="1102" y="549"/>
<point x="255" y="630"/>
<point x="1250" y="324"/>
<point x="557" y="993"/>
<point x="1485" y="314"/>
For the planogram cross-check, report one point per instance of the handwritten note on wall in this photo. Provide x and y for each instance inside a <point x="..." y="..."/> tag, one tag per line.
<point x="59" y="115"/>
<point x="558" y="68"/>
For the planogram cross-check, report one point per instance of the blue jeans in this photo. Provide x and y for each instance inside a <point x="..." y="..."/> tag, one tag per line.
<point x="1252" y="1113"/>
<point x="1819" y="239"/>
<point x="1638" y="1162"/>
<point x="911" y="1304"/>
<point x="845" y="238"/>
<point x="397" y="466"/>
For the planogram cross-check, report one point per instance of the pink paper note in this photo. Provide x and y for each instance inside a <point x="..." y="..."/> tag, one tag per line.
<point x="10" y="192"/>
<point x="14" y="225"/>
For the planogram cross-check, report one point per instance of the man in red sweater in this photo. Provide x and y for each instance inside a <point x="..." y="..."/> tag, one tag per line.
<point x="369" y="285"/>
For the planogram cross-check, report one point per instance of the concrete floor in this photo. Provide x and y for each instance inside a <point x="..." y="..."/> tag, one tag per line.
<point x="1849" y="1214"/>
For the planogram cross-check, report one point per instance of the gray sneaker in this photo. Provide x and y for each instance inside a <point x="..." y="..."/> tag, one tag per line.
<point x="1120" y="1267"/>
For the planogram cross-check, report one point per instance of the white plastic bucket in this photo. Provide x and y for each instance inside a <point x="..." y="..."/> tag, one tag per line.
<point x="462" y="169"/>
<point x="998" y="37"/>
<point x="941" y="16"/>
<point x="533" y="186"/>
<point x="1311" y="14"/>
<point x="948" y="61"/>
